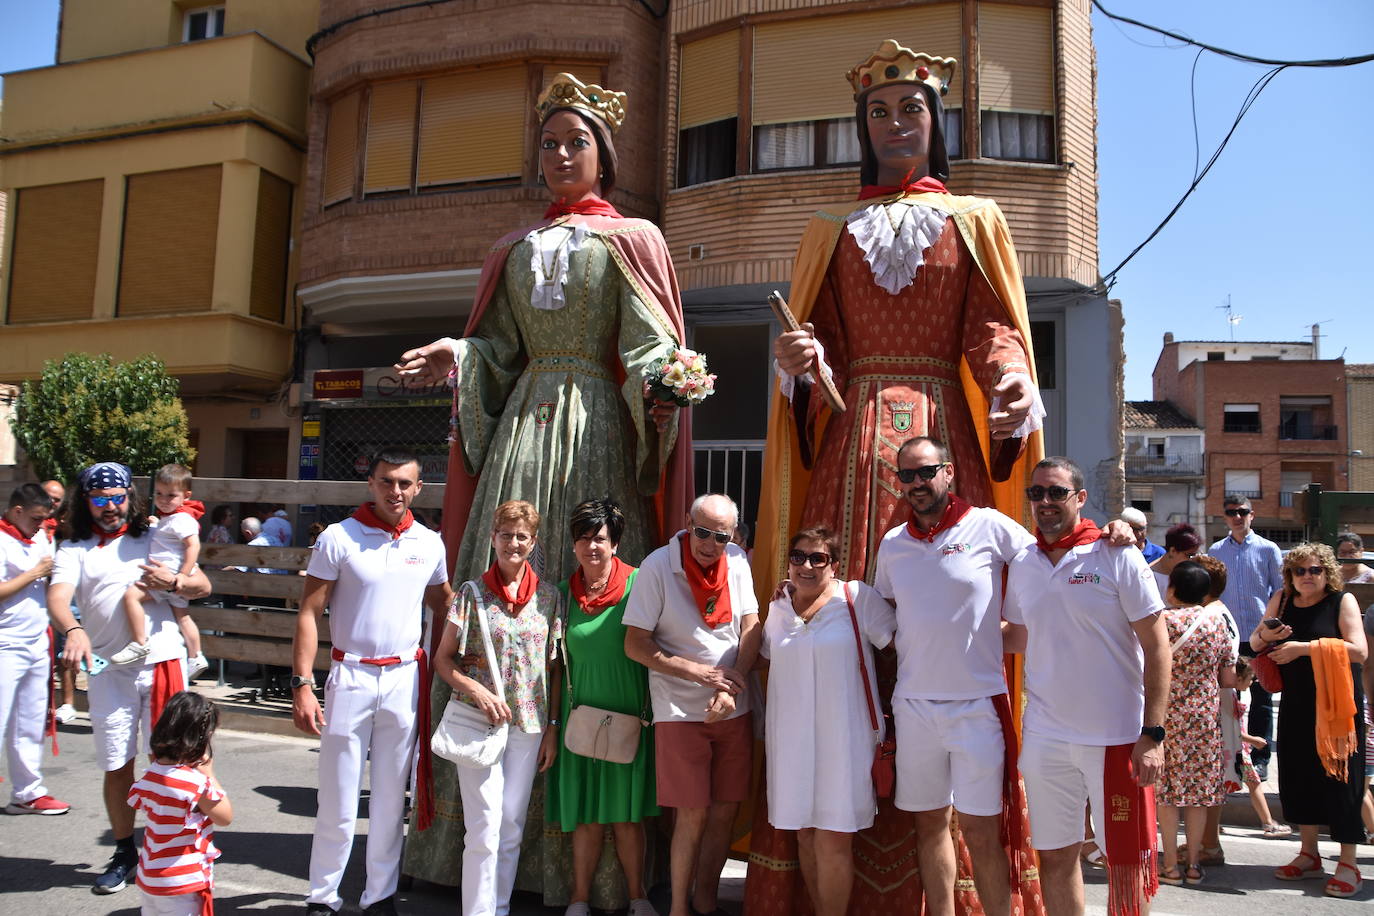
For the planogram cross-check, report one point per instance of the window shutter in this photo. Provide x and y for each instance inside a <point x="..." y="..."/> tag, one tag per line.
<point x="390" y="137"/>
<point x="1016" y="58"/>
<point x="271" y="240"/>
<point x="56" y="238"/>
<point x="800" y="65"/>
<point x="709" y="86"/>
<point x="341" y="148"/>
<point x="171" y="221"/>
<point x="472" y="126"/>
<point x="587" y="73"/>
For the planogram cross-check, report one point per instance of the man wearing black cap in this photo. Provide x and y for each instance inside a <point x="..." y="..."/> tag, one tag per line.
<point x="103" y="551"/>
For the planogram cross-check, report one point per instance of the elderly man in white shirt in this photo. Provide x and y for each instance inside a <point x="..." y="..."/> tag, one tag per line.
<point x="692" y="620"/>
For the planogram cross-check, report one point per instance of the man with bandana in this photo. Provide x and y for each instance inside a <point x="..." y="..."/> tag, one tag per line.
<point x="103" y="550"/>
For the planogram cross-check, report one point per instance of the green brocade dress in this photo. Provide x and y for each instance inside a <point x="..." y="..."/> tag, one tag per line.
<point x="544" y="418"/>
<point x="586" y="791"/>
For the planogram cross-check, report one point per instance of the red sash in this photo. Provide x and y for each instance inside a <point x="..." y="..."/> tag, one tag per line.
<point x="168" y="680"/>
<point x="1131" y="838"/>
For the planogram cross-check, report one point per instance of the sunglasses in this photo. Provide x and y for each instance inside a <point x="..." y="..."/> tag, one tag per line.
<point x="907" y="475"/>
<point x="1308" y="570"/>
<point x="817" y="559"/>
<point x="1238" y="513"/>
<point x="704" y="534"/>
<point x="1056" y="493"/>
<point x="101" y="502"/>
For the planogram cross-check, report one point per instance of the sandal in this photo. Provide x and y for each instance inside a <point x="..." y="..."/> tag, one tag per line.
<point x="1194" y="874"/>
<point x="1276" y="830"/>
<point x="1171" y="876"/>
<point x="1337" y="887"/>
<point x="1209" y="856"/>
<point x="1092" y="855"/>
<point x="1296" y="870"/>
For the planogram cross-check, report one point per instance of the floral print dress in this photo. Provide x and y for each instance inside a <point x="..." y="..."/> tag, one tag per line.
<point x="1192" y="749"/>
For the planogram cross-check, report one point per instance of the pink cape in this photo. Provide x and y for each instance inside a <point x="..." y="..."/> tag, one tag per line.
<point x="639" y="250"/>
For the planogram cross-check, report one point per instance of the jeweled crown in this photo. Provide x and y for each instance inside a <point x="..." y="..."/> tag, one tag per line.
<point x="567" y="91"/>
<point x="892" y="63"/>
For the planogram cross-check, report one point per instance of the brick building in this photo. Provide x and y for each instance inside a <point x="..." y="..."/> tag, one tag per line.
<point x="1360" y="400"/>
<point x="740" y="124"/>
<point x="1274" y="417"/>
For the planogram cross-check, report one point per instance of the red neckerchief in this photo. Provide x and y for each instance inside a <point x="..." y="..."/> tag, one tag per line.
<point x="108" y="536"/>
<point x="50" y="526"/>
<point x="954" y="512"/>
<point x="192" y="507"/>
<point x="1131" y="835"/>
<point x="366" y="516"/>
<point x="587" y="206"/>
<point x="610" y="595"/>
<point x="1085" y="532"/>
<point x="501" y="588"/>
<point x="14" y="532"/>
<point x="918" y="186"/>
<point x="710" y="587"/>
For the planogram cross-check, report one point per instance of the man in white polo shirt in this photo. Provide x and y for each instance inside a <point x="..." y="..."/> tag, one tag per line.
<point x="1097" y="684"/>
<point x="692" y="620"/>
<point x="25" y="647"/>
<point x="103" y="551"/>
<point x="376" y="571"/>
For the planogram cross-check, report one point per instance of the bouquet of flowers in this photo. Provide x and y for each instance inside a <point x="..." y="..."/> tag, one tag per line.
<point x="680" y="379"/>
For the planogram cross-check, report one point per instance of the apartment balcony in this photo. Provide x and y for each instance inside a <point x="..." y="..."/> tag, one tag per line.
<point x="1296" y="431"/>
<point x="1163" y="466"/>
<point x="221" y="80"/>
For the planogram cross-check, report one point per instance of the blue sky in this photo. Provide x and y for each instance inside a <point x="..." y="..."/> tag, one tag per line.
<point x="1283" y="224"/>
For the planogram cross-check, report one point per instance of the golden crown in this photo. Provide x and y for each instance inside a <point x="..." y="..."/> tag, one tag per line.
<point x="892" y="63"/>
<point x="567" y="91"/>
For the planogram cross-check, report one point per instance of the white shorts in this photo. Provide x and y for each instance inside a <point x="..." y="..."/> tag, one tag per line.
<point x="121" y="708"/>
<point x="949" y="752"/>
<point x="172" y="904"/>
<point x="1061" y="778"/>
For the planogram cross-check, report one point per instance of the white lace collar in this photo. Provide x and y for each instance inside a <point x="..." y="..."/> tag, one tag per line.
<point x="550" y="247"/>
<point x="894" y="238"/>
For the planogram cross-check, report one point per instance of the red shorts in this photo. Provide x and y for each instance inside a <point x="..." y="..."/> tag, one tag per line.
<point x="700" y="763"/>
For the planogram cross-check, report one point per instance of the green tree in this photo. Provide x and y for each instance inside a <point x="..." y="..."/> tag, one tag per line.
<point x="85" y="409"/>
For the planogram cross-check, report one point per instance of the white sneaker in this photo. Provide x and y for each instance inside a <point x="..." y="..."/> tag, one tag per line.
<point x="65" y="714"/>
<point x="196" y="665"/>
<point x="131" y="653"/>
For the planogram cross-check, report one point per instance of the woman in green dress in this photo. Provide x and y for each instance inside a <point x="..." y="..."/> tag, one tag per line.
<point x="584" y="794"/>
<point x="550" y="408"/>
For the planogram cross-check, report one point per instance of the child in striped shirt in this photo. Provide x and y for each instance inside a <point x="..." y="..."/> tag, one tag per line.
<point x="181" y="799"/>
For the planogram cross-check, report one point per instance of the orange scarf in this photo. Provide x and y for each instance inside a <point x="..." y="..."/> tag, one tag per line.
<point x="710" y="587"/>
<point x="1335" y="706"/>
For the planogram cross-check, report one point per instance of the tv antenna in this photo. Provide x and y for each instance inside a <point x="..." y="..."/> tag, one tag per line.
<point x="1232" y="318"/>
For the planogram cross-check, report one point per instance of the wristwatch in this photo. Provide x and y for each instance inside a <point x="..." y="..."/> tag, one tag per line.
<point x="1154" y="732"/>
<point x="298" y="681"/>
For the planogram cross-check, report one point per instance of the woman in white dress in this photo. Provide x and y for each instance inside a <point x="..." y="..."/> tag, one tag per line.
<point x="818" y="735"/>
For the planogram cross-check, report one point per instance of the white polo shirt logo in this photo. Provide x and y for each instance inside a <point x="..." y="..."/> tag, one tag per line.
<point x="1085" y="579"/>
<point x="949" y="550"/>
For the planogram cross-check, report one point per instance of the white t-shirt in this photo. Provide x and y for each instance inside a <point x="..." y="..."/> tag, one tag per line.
<point x="102" y="575"/>
<point x="23" y="615"/>
<point x="661" y="602"/>
<point x="377" y="607"/>
<point x="1085" y="671"/>
<point x="168" y="533"/>
<point x="949" y="599"/>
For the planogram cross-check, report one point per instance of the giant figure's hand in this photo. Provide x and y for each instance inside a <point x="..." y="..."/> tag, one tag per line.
<point x="1016" y="394"/>
<point x="430" y="363"/>
<point x="795" y="351"/>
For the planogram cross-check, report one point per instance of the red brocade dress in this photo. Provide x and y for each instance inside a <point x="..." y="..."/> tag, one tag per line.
<point x="895" y="358"/>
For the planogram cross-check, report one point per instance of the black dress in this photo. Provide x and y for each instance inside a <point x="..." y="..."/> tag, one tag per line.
<point x="1308" y="794"/>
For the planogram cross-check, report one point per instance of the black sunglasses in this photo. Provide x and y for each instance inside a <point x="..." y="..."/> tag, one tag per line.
<point x="1056" y="493"/>
<point x="703" y="534"/>
<point x="1308" y="570"/>
<point x="907" y="475"/>
<point x="1238" y="513"/>
<point x="816" y="559"/>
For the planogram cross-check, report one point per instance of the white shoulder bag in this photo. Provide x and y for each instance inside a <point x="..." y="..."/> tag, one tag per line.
<point x="464" y="735"/>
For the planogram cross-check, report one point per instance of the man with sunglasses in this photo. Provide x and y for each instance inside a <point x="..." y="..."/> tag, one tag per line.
<point x="692" y="620"/>
<point x="1254" y="572"/>
<point x="1097" y="683"/>
<point x="105" y="552"/>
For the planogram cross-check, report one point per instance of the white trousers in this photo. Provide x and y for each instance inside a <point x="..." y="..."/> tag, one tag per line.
<point x="23" y="713"/>
<point x="369" y="712"/>
<point x="494" y="803"/>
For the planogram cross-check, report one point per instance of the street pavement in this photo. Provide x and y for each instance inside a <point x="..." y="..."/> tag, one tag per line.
<point x="47" y="864"/>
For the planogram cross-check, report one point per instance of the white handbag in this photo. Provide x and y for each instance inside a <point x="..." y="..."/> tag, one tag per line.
<point x="464" y="735"/>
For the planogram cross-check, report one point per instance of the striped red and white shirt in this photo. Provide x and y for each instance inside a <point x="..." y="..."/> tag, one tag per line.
<point x="178" y="848"/>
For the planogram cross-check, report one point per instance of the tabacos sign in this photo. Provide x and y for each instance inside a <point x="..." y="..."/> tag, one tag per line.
<point x="379" y="384"/>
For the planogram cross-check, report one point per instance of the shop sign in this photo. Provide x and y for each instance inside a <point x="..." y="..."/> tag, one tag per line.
<point x="336" y="384"/>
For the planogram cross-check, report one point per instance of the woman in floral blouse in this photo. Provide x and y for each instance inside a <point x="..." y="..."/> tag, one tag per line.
<point x="521" y="614"/>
